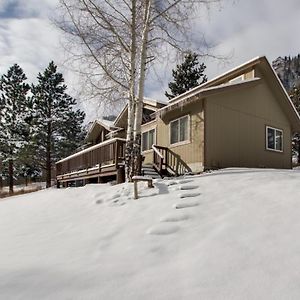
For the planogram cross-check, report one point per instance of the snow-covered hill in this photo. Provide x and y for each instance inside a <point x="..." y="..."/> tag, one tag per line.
<point x="231" y="234"/>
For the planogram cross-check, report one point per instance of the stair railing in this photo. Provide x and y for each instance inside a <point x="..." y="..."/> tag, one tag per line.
<point x="166" y="161"/>
<point x="158" y="159"/>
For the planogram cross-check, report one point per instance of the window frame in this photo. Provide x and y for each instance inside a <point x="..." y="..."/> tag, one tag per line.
<point x="282" y="139"/>
<point x="188" y="131"/>
<point x="154" y="139"/>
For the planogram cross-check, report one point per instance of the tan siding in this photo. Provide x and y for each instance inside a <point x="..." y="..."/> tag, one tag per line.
<point x="235" y="129"/>
<point x="249" y="74"/>
<point x="191" y="152"/>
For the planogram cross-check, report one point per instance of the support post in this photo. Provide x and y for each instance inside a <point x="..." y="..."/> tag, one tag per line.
<point x="135" y="190"/>
<point x="120" y="175"/>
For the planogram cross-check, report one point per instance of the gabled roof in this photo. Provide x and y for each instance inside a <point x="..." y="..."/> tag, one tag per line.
<point x="208" y="91"/>
<point x="219" y="79"/>
<point x="108" y="125"/>
<point x="221" y="83"/>
<point x="150" y="104"/>
<point x="154" y="102"/>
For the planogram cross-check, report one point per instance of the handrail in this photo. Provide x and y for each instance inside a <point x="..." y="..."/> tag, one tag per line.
<point x="164" y="161"/>
<point x="90" y="149"/>
<point x="108" y="152"/>
<point x="157" y="152"/>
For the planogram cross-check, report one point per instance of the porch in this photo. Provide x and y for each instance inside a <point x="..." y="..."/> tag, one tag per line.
<point x="100" y="163"/>
<point x="105" y="162"/>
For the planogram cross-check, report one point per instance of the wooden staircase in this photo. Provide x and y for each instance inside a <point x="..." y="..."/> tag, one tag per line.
<point x="148" y="170"/>
<point x="168" y="163"/>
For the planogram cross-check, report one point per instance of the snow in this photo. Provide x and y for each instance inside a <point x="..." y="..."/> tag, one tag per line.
<point x="141" y="177"/>
<point x="188" y="195"/>
<point x="175" y="217"/>
<point x="96" y="242"/>
<point x="188" y="187"/>
<point x="186" y="204"/>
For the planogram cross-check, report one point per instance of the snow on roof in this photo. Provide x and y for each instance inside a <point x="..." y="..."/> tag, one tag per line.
<point x="155" y="100"/>
<point x="109" y="125"/>
<point x="107" y="122"/>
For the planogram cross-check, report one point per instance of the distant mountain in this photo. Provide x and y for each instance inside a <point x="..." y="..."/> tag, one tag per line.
<point x="288" y="70"/>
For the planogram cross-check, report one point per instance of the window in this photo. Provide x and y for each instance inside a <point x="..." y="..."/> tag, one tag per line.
<point x="179" y="130"/>
<point x="148" y="139"/>
<point x="274" y="139"/>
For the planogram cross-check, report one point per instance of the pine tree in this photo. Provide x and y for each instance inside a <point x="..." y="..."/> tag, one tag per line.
<point x="187" y="75"/>
<point x="57" y="124"/>
<point x="295" y="97"/>
<point x="14" y="116"/>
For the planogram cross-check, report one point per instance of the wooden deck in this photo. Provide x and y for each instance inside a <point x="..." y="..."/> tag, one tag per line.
<point x="105" y="162"/>
<point x="93" y="164"/>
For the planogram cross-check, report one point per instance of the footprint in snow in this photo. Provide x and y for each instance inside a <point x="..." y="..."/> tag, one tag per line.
<point x="189" y="195"/>
<point x="186" y="204"/>
<point x="188" y="187"/>
<point x="175" y="217"/>
<point x="113" y="197"/>
<point x="181" y="181"/>
<point x="163" y="229"/>
<point x="117" y="202"/>
<point x="100" y="201"/>
<point x="171" y="182"/>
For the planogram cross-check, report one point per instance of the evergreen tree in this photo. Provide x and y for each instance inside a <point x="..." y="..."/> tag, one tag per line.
<point x="187" y="75"/>
<point x="295" y="97"/>
<point x="14" y="115"/>
<point x="57" y="123"/>
<point x="26" y="164"/>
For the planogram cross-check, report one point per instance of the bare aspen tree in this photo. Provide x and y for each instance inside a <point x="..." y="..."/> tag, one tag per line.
<point x="129" y="163"/>
<point x="141" y="85"/>
<point x="118" y="40"/>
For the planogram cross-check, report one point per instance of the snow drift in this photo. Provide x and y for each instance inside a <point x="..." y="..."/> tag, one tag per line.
<point x="231" y="234"/>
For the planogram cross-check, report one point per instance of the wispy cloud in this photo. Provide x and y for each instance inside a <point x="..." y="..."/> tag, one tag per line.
<point x="240" y="29"/>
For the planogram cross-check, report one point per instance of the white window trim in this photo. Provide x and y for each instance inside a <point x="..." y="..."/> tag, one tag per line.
<point x="275" y="129"/>
<point x="189" y="132"/>
<point x="155" y="139"/>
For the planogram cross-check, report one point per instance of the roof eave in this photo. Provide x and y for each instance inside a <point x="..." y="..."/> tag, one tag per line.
<point x="221" y="77"/>
<point x="198" y="95"/>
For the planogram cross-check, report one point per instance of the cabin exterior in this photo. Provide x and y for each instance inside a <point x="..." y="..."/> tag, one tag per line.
<point x="101" y="158"/>
<point x="243" y="118"/>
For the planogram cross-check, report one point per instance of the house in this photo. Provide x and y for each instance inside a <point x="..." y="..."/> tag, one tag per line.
<point x="243" y="118"/>
<point x="101" y="158"/>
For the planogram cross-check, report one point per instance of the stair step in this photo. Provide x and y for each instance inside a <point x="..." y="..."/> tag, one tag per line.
<point x="150" y="172"/>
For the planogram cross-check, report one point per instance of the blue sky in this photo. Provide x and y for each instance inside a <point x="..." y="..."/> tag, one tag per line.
<point x="238" y="29"/>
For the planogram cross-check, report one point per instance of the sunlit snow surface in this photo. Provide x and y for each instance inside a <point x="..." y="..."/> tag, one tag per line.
<point x="231" y="234"/>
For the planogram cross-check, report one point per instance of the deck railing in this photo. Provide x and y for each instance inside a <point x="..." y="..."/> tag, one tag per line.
<point x="108" y="152"/>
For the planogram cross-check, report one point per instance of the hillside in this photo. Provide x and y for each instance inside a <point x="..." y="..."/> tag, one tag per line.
<point x="231" y="234"/>
<point x="288" y="70"/>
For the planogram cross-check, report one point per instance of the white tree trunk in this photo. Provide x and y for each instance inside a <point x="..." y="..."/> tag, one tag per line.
<point x="131" y="98"/>
<point x="141" y="86"/>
